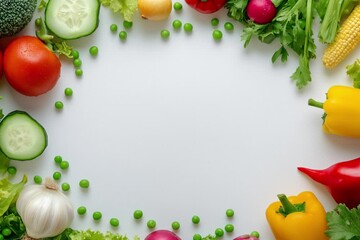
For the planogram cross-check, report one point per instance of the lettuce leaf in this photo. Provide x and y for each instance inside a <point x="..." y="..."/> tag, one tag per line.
<point x="12" y="220"/>
<point x="71" y="234"/>
<point x="9" y="193"/>
<point x="127" y="8"/>
<point x="353" y="71"/>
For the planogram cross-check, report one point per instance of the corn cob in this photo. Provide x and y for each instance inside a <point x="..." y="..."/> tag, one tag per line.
<point x="345" y="41"/>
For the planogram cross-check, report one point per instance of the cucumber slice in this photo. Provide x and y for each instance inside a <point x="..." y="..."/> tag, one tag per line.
<point x="21" y="136"/>
<point x="71" y="19"/>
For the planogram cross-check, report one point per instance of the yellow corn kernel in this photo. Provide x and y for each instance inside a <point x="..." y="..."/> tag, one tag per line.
<point x="345" y="41"/>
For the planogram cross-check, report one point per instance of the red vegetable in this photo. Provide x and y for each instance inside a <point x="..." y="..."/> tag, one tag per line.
<point x="342" y="180"/>
<point x="30" y="67"/>
<point x="261" y="11"/>
<point x="206" y="6"/>
<point x="1" y="64"/>
<point x="162" y="235"/>
<point x="246" y="237"/>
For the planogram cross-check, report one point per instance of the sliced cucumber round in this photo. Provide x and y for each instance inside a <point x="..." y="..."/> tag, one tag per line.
<point x="71" y="19"/>
<point x="21" y="136"/>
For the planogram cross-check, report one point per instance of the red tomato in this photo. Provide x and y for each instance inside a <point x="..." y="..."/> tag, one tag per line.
<point x="30" y="67"/>
<point x="206" y="6"/>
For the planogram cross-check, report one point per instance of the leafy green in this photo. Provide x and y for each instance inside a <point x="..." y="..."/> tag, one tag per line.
<point x="292" y="25"/>
<point x="71" y="234"/>
<point x="12" y="220"/>
<point x="4" y="163"/>
<point x="353" y="71"/>
<point x="127" y="8"/>
<point x="9" y="193"/>
<point x="331" y="12"/>
<point x="343" y="223"/>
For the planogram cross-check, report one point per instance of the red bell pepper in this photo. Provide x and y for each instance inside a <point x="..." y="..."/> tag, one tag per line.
<point x="342" y="180"/>
<point x="206" y="6"/>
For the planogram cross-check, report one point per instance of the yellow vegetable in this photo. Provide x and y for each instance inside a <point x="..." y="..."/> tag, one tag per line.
<point x="347" y="38"/>
<point x="300" y="217"/>
<point x="342" y="111"/>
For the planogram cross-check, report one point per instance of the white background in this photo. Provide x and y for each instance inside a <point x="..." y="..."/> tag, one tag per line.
<point x="183" y="127"/>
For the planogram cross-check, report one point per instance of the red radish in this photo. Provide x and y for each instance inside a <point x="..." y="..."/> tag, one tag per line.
<point x="162" y="235"/>
<point x="261" y="11"/>
<point x="246" y="237"/>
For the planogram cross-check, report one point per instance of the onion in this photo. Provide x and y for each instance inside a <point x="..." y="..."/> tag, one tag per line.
<point x="162" y="235"/>
<point x="155" y="10"/>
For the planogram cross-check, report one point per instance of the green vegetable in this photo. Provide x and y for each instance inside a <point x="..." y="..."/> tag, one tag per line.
<point x="151" y="223"/>
<point x="4" y="163"/>
<point x="343" y="223"/>
<point x="75" y="54"/>
<point x="12" y="170"/>
<point x="77" y="62"/>
<point x="127" y="24"/>
<point x="56" y="175"/>
<point x="65" y="187"/>
<point x="78" y="72"/>
<point x="229" y="227"/>
<point x="114" y="222"/>
<point x="177" y="24"/>
<point x="71" y="234"/>
<point x="21" y="136"/>
<point x="94" y="50"/>
<point x="214" y="22"/>
<point x="97" y="215"/>
<point x="229" y="212"/>
<point x="229" y="26"/>
<point x="64" y="165"/>
<point x="219" y="232"/>
<point x="15" y="15"/>
<point x="188" y="27"/>
<point x="9" y="193"/>
<point x="331" y="12"/>
<point x="197" y="237"/>
<point x="353" y="71"/>
<point x="165" y="34"/>
<point x="138" y="214"/>
<point x="175" y="225"/>
<point x="113" y="27"/>
<point x="127" y="8"/>
<point x="217" y="35"/>
<point x="195" y="219"/>
<point x="58" y="159"/>
<point x="72" y="19"/>
<point x="292" y="26"/>
<point x="122" y="35"/>
<point x="38" y="179"/>
<point x="84" y="183"/>
<point x="11" y="225"/>
<point x="81" y="210"/>
<point x="68" y="92"/>
<point x="59" y="105"/>
<point x="177" y="6"/>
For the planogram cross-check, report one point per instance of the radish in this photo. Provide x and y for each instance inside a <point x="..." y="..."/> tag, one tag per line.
<point x="162" y="235"/>
<point x="261" y="11"/>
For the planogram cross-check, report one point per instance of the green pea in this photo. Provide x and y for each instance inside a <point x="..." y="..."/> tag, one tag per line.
<point x="197" y="237"/>
<point x="58" y="159"/>
<point x="68" y="92"/>
<point x="81" y="210"/>
<point x="177" y="6"/>
<point x="188" y="27"/>
<point x="127" y="24"/>
<point x="114" y="222"/>
<point x="97" y="215"/>
<point x="59" y="105"/>
<point x="93" y="50"/>
<point x="255" y="234"/>
<point x="229" y="228"/>
<point x="75" y="54"/>
<point x="123" y="35"/>
<point x="37" y="179"/>
<point x="56" y="175"/>
<point x="214" y="22"/>
<point x="84" y="183"/>
<point x="229" y="26"/>
<point x="64" y="165"/>
<point x="219" y="232"/>
<point x="151" y="224"/>
<point x="229" y="212"/>
<point x="138" y="214"/>
<point x="11" y="170"/>
<point x="1" y="237"/>
<point x="177" y="24"/>
<point x="78" y="72"/>
<point x="6" y="232"/>
<point x="65" y="187"/>
<point x="113" y="27"/>
<point x="217" y="35"/>
<point x="165" y="34"/>
<point x="195" y="219"/>
<point x="77" y="62"/>
<point x="175" y="225"/>
<point x="38" y="22"/>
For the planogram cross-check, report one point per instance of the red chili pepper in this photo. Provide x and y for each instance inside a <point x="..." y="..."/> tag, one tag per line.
<point x="206" y="6"/>
<point x="342" y="180"/>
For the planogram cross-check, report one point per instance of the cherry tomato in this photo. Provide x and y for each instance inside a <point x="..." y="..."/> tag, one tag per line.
<point x="206" y="6"/>
<point x="30" y="67"/>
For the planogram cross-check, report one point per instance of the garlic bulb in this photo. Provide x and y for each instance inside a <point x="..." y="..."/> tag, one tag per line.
<point x="45" y="211"/>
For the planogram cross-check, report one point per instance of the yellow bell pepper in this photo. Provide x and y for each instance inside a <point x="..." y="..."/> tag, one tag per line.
<point x="342" y="111"/>
<point x="300" y="217"/>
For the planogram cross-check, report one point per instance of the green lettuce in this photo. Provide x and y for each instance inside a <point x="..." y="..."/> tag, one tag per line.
<point x="127" y="8"/>
<point x="71" y="234"/>
<point x="353" y="71"/>
<point x="9" y="193"/>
